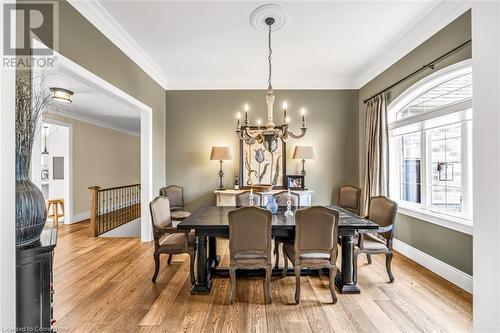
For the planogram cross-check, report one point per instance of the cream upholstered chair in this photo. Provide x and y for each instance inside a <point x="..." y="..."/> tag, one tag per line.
<point x="250" y="245"/>
<point x="282" y="198"/>
<point x="243" y="199"/>
<point x="350" y="198"/>
<point x="175" y="194"/>
<point x="382" y="211"/>
<point x="315" y="246"/>
<point x="167" y="238"/>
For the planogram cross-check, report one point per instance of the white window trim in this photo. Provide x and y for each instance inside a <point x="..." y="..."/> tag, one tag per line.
<point x="416" y="210"/>
<point x="447" y="221"/>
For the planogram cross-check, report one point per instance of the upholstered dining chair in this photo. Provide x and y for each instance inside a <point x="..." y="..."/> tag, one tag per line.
<point x="382" y="211"/>
<point x="175" y="194"/>
<point x="250" y="245"/>
<point x="315" y="246"/>
<point x="282" y="198"/>
<point x="350" y="198"/>
<point x="167" y="238"/>
<point x="243" y="199"/>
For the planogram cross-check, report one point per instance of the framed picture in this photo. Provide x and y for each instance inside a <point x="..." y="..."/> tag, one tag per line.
<point x="260" y="166"/>
<point x="295" y="182"/>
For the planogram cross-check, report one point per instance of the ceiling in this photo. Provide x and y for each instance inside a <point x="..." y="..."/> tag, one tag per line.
<point x="94" y="106"/>
<point x="211" y="45"/>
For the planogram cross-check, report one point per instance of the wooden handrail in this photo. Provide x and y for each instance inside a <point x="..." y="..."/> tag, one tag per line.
<point x="113" y="206"/>
<point x="116" y="187"/>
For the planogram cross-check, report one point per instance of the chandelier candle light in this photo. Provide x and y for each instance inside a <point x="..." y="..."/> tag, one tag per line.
<point x="269" y="134"/>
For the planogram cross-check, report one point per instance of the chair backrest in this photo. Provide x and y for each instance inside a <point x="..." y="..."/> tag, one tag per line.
<point x="243" y="199"/>
<point x="282" y="198"/>
<point x="316" y="231"/>
<point x="250" y="231"/>
<point x="160" y="214"/>
<point x="175" y="194"/>
<point x="350" y="198"/>
<point x="382" y="211"/>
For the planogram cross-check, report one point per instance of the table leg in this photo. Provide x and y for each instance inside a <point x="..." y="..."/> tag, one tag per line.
<point x="345" y="280"/>
<point x="203" y="282"/>
<point x="213" y="258"/>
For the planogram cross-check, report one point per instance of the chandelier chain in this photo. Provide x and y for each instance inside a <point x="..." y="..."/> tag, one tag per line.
<point x="269" y="58"/>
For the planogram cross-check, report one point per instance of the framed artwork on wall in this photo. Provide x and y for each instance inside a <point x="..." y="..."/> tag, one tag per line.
<point x="260" y="166"/>
<point x="295" y="182"/>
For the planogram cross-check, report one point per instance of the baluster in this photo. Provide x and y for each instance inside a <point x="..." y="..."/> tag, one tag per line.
<point x="117" y="203"/>
<point x="111" y="203"/>
<point x="129" y="215"/>
<point x="102" y="209"/>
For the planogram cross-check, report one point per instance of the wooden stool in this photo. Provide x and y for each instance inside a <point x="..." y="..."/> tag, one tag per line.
<point x="55" y="204"/>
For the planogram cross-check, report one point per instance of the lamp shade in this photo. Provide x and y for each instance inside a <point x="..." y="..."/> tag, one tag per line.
<point x="303" y="153"/>
<point x="221" y="154"/>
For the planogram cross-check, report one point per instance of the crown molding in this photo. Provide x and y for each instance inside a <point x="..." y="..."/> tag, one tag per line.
<point x="94" y="122"/>
<point x="260" y="85"/>
<point x="435" y="20"/>
<point x="95" y="13"/>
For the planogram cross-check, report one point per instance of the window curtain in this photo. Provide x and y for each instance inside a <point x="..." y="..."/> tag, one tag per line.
<point x="377" y="150"/>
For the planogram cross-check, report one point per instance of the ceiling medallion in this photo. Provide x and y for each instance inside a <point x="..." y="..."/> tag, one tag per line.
<point x="260" y="14"/>
<point x="269" y="134"/>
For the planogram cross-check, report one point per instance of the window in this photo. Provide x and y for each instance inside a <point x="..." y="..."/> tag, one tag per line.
<point x="430" y="150"/>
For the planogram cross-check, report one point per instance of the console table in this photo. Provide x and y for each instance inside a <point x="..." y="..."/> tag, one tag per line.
<point x="227" y="198"/>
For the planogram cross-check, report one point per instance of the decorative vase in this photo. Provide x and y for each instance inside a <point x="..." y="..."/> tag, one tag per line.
<point x="31" y="213"/>
<point x="272" y="205"/>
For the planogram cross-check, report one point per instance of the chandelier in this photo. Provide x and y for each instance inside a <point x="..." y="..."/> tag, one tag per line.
<point x="269" y="134"/>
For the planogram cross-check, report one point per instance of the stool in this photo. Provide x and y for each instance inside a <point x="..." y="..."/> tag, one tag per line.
<point x="55" y="204"/>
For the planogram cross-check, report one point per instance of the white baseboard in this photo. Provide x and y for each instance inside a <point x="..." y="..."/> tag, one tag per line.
<point x="80" y="217"/>
<point x="450" y="273"/>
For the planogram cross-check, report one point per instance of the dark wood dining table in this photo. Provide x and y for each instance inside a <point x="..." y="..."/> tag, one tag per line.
<point x="209" y="223"/>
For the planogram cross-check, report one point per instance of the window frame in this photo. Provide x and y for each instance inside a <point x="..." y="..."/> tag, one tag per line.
<point x="449" y="114"/>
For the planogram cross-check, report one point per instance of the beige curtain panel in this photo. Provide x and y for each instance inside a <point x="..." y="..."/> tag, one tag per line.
<point x="377" y="150"/>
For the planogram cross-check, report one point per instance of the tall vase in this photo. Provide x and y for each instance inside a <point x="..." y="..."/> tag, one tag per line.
<point x="31" y="213"/>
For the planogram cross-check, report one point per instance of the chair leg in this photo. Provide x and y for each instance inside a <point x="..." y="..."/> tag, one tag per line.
<point x="267" y="286"/>
<point x="232" y="275"/>
<point x="191" y="266"/>
<point x="369" y="257"/>
<point x="169" y="260"/>
<point x="388" y="260"/>
<point x="277" y="253"/>
<point x="285" y="264"/>
<point x="355" y="267"/>
<point x="333" y="273"/>
<point x="157" y="266"/>
<point x="297" y="284"/>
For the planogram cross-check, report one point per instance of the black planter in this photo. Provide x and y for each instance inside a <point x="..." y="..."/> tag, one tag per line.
<point x="31" y="213"/>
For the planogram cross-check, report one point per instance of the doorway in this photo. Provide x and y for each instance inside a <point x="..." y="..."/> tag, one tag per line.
<point x="51" y="168"/>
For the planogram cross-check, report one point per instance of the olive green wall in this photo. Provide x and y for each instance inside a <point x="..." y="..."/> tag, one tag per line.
<point x="454" y="248"/>
<point x="82" y="43"/>
<point x="198" y="120"/>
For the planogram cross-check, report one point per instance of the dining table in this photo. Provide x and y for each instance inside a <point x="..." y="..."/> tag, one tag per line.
<point x="210" y="223"/>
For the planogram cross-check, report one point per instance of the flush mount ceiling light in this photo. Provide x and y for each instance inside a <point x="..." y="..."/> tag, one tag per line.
<point x="61" y="95"/>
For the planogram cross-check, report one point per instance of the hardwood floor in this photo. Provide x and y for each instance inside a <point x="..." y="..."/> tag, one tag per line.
<point x="104" y="285"/>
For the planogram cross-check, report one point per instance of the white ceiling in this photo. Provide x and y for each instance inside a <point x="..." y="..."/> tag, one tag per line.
<point x="211" y="45"/>
<point x="91" y="105"/>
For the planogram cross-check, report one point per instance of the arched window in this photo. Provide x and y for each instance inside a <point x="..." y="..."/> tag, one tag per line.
<point x="430" y="128"/>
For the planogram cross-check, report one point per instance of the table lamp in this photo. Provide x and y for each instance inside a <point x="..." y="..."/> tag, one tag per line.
<point x="221" y="154"/>
<point x="303" y="153"/>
